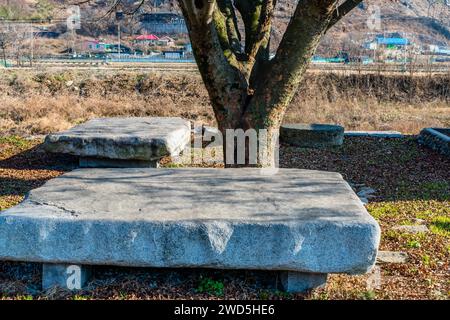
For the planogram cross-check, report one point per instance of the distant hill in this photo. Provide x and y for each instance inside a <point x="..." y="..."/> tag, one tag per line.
<point x="415" y="19"/>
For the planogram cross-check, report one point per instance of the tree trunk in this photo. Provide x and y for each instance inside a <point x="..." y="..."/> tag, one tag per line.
<point x="249" y="147"/>
<point x="249" y="91"/>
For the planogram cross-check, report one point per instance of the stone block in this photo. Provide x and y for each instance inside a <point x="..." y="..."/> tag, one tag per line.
<point x="296" y="220"/>
<point x="136" y="140"/>
<point x="312" y="135"/>
<point x="301" y="282"/>
<point x="437" y="139"/>
<point x="374" y="134"/>
<point x="392" y="257"/>
<point x="90" y="162"/>
<point x="412" y="228"/>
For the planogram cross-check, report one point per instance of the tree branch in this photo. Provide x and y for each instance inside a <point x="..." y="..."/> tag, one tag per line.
<point x="228" y="23"/>
<point x="198" y="11"/>
<point x="226" y="85"/>
<point x="342" y="10"/>
<point x="262" y="34"/>
<point x="307" y="26"/>
<point x="257" y="16"/>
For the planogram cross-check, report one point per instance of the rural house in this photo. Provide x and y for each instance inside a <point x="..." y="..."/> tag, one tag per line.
<point x="165" y="42"/>
<point x="147" y="39"/>
<point x="93" y="46"/>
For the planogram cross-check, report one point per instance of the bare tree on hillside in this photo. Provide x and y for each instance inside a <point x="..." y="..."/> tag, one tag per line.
<point x="5" y="42"/>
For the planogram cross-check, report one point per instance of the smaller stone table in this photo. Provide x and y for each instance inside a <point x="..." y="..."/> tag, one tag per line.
<point x="312" y="135"/>
<point x="122" y="142"/>
<point x="437" y="139"/>
<point x="374" y="134"/>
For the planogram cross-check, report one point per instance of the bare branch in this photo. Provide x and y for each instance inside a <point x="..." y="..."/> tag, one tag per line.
<point x="272" y="95"/>
<point x="342" y="10"/>
<point x="228" y="22"/>
<point x="113" y="8"/>
<point x="257" y="16"/>
<point x="139" y="6"/>
<point x="80" y="2"/>
<point x="226" y="85"/>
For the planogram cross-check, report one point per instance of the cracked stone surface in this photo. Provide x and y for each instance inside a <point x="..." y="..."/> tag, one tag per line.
<point x="295" y="220"/>
<point x="145" y="139"/>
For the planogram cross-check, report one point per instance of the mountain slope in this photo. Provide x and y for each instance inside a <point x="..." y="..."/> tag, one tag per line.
<point x="415" y="19"/>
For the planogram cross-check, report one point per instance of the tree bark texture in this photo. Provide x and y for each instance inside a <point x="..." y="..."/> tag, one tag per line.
<point x="248" y="89"/>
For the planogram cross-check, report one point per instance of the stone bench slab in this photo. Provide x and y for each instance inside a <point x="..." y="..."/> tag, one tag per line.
<point x="296" y="220"/>
<point x="312" y="135"/>
<point x="130" y="139"/>
<point x="437" y="139"/>
<point x="374" y="134"/>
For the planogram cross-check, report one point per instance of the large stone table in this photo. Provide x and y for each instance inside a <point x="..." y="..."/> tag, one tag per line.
<point x="303" y="223"/>
<point x="122" y="142"/>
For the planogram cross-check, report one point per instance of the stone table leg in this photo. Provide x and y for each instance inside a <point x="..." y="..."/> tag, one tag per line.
<point x="66" y="276"/>
<point x="299" y="282"/>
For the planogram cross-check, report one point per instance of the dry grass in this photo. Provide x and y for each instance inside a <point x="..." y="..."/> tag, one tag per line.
<point x="37" y="102"/>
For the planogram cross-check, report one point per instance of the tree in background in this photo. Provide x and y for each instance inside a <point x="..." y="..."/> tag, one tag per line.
<point x="5" y="42"/>
<point x="14" y="9"/>
<point x="43" y="10"/>
<point x="433" y="4"/>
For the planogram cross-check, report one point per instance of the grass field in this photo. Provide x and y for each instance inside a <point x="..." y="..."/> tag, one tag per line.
<point x="36" y="102"/>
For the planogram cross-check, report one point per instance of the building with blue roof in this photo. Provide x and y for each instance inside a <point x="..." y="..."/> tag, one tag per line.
<point x="392" y="41"/>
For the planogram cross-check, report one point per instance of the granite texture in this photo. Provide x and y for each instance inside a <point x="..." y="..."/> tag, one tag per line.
<point x="437" y="139"/>
<point x="144" y="139"/>
<point x="296" y="220"/>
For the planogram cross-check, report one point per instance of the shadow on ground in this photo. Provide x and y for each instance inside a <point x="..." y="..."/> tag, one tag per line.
<point x="30" y="169"/>
<point x="24" y="279"/>
<point x="36" y="158"/>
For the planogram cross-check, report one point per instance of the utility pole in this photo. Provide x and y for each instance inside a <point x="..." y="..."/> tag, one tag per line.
<point x="119" y="18"/>
<point x="73" y="23"/>
<point x="73" y="44"/>
<point x="120" y="51"/>
<point x="32" y="45"/>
